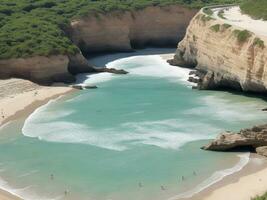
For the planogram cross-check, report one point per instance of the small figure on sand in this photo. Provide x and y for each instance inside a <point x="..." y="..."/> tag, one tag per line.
<point x="194" y="173"/>
<point x="183" y="178"/>
<point x="35" y="93"/>
<point x="162" y="187"/>
<point x="140" y="184"/>
<point x="52" y="177"/>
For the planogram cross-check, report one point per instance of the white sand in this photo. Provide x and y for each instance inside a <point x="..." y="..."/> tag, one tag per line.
<point x="17" y="94"/>
<point x="234" y="17"/>
<point x="167" y="56"/>
<point x="246" y="188"/>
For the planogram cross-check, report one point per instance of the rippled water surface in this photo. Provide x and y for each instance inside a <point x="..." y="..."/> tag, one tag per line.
<point x="134" y="137"/>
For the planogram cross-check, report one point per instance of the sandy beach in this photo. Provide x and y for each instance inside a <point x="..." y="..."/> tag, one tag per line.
<point x="17" y="94"/>
<point x="19" y="98"/>
<point x="245" y="188"/>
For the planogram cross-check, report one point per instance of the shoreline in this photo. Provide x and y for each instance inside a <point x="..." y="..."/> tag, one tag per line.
<point x="245" y="182"/>
<point x="21" y="103"/>
<point x="238" y="181"/>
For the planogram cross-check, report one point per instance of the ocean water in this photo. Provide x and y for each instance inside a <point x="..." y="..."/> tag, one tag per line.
<point x="136" y="137"/>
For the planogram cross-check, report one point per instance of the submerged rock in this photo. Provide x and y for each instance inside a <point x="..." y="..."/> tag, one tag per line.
<point x="254" y="137"/>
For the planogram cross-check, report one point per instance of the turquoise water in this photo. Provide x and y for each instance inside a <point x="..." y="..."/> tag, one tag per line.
<point x="134" y="137"/>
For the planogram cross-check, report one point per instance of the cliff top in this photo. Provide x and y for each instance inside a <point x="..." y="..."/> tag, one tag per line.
<point x="36" y="27"/>
<point x="233" y="15"/>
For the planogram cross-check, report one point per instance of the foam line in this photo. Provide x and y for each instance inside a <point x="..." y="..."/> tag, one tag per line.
<point x="215" y="177"/>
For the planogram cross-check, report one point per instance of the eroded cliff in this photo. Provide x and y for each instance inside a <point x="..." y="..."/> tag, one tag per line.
<point x="115" y="31"/>
<point x="224" y="55"/>
<point x="123" y="31"/>
<point x="45" y="70"/>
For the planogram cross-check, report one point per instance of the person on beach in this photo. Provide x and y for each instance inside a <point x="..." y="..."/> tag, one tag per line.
<point x="183" y="178"/>
<point x="194" y="173"/>
<point x="162" y="187"/>
<point x="140" y="184"/>
<point x="52" y="177"/>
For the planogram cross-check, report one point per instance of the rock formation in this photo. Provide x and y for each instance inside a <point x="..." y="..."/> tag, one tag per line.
<point x="123" y="31"/>
<point x="222" y="59"/>
<point x="115" y="31"/>
<point x="45" y="70"/>
<point x="255" y="138"/>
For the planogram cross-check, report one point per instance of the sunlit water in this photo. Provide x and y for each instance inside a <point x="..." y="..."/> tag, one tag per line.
<point x="136" y="137"/>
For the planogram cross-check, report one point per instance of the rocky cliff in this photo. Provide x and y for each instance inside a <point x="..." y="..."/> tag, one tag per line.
<point x="254" y="138"/>
<point x="123" y="31"/>
<point x="225" y="56"/>
<point x="115" y="31"/>
<point x="45" y="70"/>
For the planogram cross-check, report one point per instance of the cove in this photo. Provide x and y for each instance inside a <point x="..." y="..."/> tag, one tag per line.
<point x="137" y="136"/>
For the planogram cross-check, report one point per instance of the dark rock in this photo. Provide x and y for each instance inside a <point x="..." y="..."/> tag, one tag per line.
<point x="264" y="109"/>
<point x="78" y="87"/>
<point x="193" y="73"/>
<point x="193" y="79"/>
<point x="90" y="86"/>
<point x="112" y="70"/>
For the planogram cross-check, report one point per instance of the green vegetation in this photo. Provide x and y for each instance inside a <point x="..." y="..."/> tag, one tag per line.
<point x="255" y="8"/>
<point x="205" y="18"/>
<point x="208" y="11"/>
<point x="242" y="36"/>
<point x="37" y="27"/>
<point x="221" y="14"/>
<point x="216" y="27"/>
<point x="263" y="197"/>
<point x="258" y="42"/>
<point x="226" y="26"/>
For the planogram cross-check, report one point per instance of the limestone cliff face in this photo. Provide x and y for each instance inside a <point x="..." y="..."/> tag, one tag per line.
<point x="45" y="70"/>
<point x="221" y="59"/>
<point x="122" y="31"/>
<point x="115" y="31"/>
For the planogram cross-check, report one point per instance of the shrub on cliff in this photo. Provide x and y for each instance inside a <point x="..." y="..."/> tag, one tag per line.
<point x="255" y="8"/>
<point x="216" y="27"/>
<point x="36" y="27"/>
<point x="258" y="42"/>
<point x="242" y="36"/>
<point x="263" y="197"/>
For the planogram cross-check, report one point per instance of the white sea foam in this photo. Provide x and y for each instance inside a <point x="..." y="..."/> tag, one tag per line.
<point x="92" y="79"/>
<point x="152" y="66"/>
<point x="28" y="173"/>
<point x="228" y="110"/>
<point x="168" y="134"/>
<point x="149" y="65"/>
<point x="215" y="177"/>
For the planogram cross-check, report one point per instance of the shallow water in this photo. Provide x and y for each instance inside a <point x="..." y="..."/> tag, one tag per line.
<point x="134" y="137"/>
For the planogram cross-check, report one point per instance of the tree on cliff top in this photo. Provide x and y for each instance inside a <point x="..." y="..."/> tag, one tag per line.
<point x="36" y="27"/>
